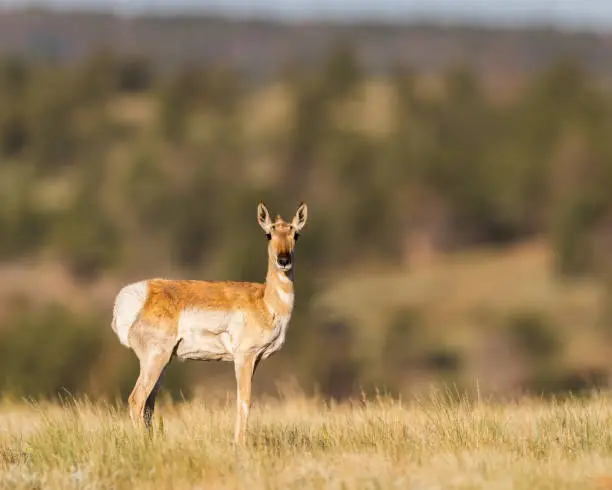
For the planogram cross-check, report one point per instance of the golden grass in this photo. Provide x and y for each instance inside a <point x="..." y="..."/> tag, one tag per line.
<point x="297" y="443"/>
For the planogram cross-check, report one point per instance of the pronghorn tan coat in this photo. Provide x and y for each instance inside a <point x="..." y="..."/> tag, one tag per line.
<point x="231" y="321"/>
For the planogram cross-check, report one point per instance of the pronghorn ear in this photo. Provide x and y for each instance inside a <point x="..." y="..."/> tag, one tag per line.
<point x="299" y="220"/>
<point x="263" y="217"/>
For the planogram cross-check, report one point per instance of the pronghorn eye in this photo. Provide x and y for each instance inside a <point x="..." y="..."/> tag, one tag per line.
<point x="296" y="235"/>
<point x="269" y="236"/>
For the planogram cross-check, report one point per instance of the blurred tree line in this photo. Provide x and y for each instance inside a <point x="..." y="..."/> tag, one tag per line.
<point x="113" y="167"/>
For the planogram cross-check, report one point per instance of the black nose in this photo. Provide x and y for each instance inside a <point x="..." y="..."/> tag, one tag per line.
<point x="284" y="260"/>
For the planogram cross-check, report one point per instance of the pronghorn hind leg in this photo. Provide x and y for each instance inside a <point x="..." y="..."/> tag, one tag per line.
<point x="142" y="399"/>
<point x="149" y="407"/>
<point x="132" y="401"/>
<point x="155" y="354"/>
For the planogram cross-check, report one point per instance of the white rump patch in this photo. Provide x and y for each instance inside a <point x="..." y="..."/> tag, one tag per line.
<point x="128" y="304"/>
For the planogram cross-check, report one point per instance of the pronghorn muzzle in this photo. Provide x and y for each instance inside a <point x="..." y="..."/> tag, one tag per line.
<point x="284" y="261"/>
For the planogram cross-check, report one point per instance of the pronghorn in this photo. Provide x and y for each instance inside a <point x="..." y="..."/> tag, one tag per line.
<point x="241" y="322"/>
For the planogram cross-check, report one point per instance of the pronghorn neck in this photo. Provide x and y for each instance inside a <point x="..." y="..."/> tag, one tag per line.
<point x="279" y="293"/>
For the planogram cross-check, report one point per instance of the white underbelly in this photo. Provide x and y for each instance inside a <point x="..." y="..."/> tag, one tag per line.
<point x="209" y="334"/>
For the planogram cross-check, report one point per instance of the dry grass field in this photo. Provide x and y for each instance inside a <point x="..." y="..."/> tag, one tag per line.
<point x="440" y="441"/>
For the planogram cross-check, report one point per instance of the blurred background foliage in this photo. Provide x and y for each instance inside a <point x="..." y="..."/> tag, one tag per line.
<point x="458" y="233"/>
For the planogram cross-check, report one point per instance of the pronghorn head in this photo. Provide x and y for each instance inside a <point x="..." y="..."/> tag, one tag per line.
<point x="282" y="235"/>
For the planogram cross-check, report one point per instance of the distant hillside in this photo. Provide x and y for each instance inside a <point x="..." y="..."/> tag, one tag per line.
<point x="258" y="47"/>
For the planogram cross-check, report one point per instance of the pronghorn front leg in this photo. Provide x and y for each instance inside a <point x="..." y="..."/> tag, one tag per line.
<point x="245" y="367"/>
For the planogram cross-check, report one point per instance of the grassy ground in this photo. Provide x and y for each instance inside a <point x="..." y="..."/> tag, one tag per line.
<point x="298" y="443"/>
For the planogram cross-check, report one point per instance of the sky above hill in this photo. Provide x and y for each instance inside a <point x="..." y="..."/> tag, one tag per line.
<point x="576" y="14"/>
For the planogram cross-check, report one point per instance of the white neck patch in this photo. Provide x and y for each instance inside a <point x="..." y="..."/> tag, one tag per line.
<point x="286" y="298"/>
<point x="283" y="278"/>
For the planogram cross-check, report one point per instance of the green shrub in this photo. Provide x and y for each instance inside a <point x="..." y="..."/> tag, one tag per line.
<point x="534" y="336"/>
<point x="48" y="352"/>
